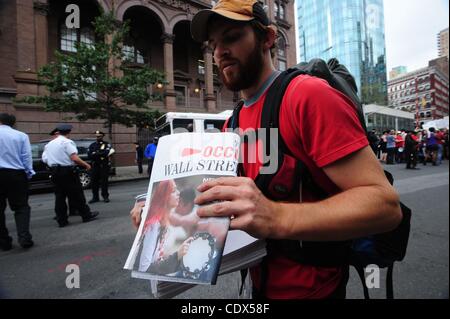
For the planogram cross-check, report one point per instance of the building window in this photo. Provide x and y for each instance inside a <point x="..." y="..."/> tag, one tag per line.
<point x="201" y="67"/>
<point x="281" y="46"/>
<point x="282" y="15"/>
<point x="69" y="37"/>
<point x="276" y="9"/>
<point x="282" y="65"/>
<point x="180" y="98"/>
<point x="87" y="36"/>
<point x="132" y="54"/>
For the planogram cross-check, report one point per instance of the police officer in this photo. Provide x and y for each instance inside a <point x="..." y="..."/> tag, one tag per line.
<point x="72" y="210"/>
<point x="61" y="155"/>
<point x="99" y="152"/>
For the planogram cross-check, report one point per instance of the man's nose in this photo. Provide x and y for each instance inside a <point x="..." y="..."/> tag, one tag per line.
<point x="221" y="51"/>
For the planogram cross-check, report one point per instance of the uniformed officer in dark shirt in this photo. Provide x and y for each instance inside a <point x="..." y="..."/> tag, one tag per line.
<point x="61" y="155"/>
<point x="99" y="152"/>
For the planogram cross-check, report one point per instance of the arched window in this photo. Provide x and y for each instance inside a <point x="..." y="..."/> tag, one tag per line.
<point x="134" y="47"/>
<point x="281" y="47"/>
<point x="69" y="37"/>
<point x="282" y="14"/>
<point x="87" y="36"/>
<point x="276" y="9"/>
<point x="132" y="54"/>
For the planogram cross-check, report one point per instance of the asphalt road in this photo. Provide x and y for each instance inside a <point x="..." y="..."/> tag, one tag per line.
<point x="100" y="248"/>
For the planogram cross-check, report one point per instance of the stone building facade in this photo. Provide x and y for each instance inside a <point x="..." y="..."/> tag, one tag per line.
<point x="31" y="31"/>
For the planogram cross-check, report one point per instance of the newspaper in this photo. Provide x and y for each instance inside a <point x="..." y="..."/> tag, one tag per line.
<point x="172" y="243"/>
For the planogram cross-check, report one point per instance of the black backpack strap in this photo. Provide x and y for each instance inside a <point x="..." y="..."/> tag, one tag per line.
<point x="390" y="282"/>
<point x="244" y="274"/>
<point x="360" y="270"/>
<point x="232" y="125"/>
<point x="233" y="121"/>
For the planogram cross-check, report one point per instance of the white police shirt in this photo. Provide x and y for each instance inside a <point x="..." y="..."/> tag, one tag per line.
<point x="58" y="151"/>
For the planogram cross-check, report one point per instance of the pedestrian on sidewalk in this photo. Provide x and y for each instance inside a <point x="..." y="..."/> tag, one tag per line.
<point x="139" y="156"/>
<point x="411" y="147"/>
<point x="61" y="155"/>
<point x="149" y="153"/>
<point x="373" y="141"/>
<point x="390" y="147"/>
<point x="16" y="168"/>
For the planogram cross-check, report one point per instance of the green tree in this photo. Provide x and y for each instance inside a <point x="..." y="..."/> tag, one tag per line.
<point x="96" y="82"/>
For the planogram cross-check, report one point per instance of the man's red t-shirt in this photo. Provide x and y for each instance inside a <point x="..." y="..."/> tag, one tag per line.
<point x="320" y="126"/>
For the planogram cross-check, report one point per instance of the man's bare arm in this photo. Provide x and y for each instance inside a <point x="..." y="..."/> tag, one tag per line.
<point x="368" y="204"/>
<point x="74" y="157"/>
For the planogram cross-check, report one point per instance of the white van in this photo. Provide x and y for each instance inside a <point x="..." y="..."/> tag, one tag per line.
<point x="190" y="122"/>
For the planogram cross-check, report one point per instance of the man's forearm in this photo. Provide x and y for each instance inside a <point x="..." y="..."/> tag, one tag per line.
<point x="79" y="161"/>
<point x="355" y="213"/>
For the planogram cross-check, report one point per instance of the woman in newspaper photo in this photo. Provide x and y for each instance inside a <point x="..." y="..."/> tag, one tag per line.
<point x="163" y="245"/>
<point x="184" y="227"/>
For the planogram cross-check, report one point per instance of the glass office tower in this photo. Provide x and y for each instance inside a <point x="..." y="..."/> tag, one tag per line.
<point x="351" y="31"/>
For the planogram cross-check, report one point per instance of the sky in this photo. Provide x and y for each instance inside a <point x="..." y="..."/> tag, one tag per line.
<point x="411" y="28"/>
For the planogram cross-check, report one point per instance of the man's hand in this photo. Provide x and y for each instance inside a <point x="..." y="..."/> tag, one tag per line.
<point x="240" y="199"/>
<point x="136" y="212"/>
<point x="88" y="167"/>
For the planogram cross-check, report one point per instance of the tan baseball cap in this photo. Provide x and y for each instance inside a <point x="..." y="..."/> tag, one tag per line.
<point x="236" y="10"/>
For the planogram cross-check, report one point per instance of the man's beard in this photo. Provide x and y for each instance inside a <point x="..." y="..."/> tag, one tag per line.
<point x="248" y="73"/>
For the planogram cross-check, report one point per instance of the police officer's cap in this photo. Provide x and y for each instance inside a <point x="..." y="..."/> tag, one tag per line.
<point x="99" y="133"/>
<point x="64" y="128"/>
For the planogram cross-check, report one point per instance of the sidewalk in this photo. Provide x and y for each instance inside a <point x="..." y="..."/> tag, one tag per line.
<point x="128" y="173"/>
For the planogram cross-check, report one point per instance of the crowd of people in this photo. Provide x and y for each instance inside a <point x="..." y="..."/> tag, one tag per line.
<point x="411" y="147"/>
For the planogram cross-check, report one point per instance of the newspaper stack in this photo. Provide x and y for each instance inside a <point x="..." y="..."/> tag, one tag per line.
<point x="173" y="245"/>
<point x="241" y="251"/>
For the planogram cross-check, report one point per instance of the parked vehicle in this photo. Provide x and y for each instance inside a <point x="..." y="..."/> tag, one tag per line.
<point x="42" y="178"/>
<point x="170" y="122"/>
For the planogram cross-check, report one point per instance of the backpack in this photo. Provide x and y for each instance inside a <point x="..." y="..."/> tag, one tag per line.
<point x="380" y="249"/>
